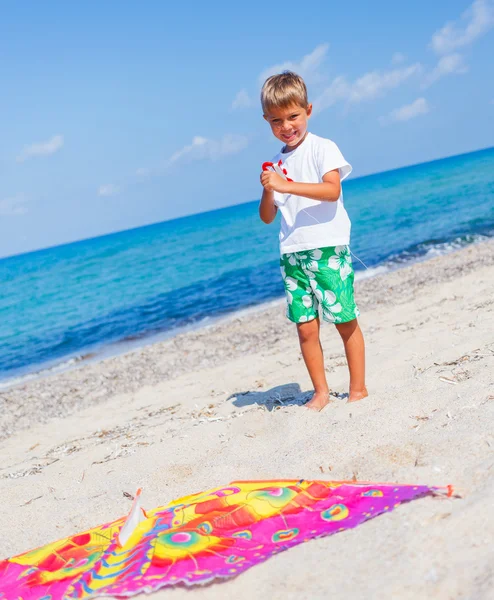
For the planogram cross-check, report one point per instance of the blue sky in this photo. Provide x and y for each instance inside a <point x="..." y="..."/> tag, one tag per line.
<point x="117" y="114"/>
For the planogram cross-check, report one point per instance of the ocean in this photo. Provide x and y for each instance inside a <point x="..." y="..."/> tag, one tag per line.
<point x="103" y="294"/>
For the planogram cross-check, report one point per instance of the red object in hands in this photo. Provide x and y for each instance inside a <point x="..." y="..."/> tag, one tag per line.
<point x="269" y="165"/>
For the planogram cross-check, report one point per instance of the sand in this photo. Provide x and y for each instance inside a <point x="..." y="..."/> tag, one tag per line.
<point x="224" y="403"/>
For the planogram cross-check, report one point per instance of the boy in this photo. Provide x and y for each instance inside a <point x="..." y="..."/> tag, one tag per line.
<point x="315" y="232"/>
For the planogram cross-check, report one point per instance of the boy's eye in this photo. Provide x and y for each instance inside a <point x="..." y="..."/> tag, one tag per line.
<point x="293" y="116"/>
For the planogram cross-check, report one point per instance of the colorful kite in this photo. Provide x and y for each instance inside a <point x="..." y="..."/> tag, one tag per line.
<point x="194" y="540"/>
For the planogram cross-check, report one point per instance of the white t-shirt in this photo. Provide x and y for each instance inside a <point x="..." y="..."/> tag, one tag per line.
<point x="307" y="224"/>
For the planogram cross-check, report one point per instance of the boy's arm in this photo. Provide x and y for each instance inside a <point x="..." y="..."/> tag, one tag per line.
<point x="267" y="207"/>
<point x="329" y="190"/>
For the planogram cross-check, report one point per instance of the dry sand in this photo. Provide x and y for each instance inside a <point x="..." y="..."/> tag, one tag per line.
<point x="223" y="403"/>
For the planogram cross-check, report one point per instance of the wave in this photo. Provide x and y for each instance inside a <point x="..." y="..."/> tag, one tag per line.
<point x="58" y="367"/>
<point x="433" y="248"/>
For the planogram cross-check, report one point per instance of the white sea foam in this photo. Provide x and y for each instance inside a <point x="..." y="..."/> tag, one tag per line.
<point x="371" y="272"/>
<point x="57" y="368"/>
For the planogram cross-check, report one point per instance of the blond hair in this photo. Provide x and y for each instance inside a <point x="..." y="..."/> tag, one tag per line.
<point x="280" y="91"/>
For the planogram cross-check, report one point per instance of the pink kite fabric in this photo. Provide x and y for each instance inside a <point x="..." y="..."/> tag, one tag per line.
<point x="194" y="540"/>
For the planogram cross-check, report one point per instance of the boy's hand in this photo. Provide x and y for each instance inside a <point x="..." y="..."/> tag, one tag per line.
<point x="272" y="182"/>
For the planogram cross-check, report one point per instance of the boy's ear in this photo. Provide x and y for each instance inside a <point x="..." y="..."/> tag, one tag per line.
<point x="265" y="117"/>
<point x="309" y="110"/>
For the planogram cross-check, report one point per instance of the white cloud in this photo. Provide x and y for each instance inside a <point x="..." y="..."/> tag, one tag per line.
<point x="205" y="149"/>
<point x="307" y="67"/>
<point x="398" y="58"/>
<point x="108" y="189"/>
<point x="195" y="148"/>
<point x="447" y="65"/>
<point x="369" y="86"/>
<point x="475" y="22"/>
<point x="407" y="112"/>
<point x="200" y="148"/>
<point x="374" y="84"/>
<point x="41" y="148"/>
<point x="339" y="90"/>
<point x="13" y="206"/>
<point x="242" y="100"/>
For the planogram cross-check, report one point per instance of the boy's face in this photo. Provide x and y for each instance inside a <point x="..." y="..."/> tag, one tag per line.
<point x="289" y="124"/>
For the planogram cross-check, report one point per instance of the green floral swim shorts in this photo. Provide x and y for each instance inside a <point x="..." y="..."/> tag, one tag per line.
<point x="319" y="281"/>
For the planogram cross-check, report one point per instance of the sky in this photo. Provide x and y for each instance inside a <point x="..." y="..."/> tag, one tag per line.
<point x="118" y="114"/>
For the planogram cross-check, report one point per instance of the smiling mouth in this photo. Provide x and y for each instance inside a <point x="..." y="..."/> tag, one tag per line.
<point x="290" y="136"/>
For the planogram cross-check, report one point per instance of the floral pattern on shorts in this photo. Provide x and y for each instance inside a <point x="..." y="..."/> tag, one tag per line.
<point x="319" y="282"/>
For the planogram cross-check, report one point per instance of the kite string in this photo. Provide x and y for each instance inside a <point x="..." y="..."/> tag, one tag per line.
<point x="386" y="291"/>
<point x="360" y="260"/>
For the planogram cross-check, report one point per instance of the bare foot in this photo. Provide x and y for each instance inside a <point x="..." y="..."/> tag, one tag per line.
<point x="318" y="401"/>
<point x="355" y="396"/>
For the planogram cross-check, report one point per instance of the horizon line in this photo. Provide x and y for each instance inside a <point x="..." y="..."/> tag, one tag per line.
<point x="156" y="223"/>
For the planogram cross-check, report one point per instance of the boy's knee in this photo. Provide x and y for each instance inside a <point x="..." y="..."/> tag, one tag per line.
<point x="346" y="329"/>
<point x="308" y="331"/>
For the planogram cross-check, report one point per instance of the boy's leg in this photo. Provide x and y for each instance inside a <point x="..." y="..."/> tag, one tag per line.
<point x="308" y="334"/>
<point x="353" y="341"/>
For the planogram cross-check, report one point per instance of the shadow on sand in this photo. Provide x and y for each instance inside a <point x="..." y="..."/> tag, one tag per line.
<point x="288" y="394"/>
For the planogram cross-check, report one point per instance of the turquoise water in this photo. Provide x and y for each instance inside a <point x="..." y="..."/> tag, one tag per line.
<point x="77" y="298"/>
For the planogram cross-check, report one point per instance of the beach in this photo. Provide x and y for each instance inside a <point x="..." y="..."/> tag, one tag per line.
<point x="224" y="403"/>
